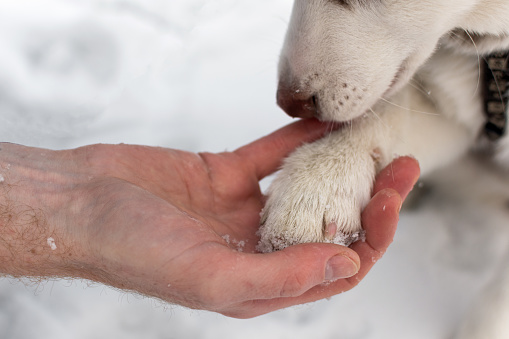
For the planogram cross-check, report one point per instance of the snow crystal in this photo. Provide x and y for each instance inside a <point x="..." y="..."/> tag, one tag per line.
<point x="238" y="244"/>
<point x="348" y="239"/>
<point x="51" y="244"/>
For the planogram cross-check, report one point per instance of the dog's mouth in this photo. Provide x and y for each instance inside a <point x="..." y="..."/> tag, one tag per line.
<point x="343" y="105"/>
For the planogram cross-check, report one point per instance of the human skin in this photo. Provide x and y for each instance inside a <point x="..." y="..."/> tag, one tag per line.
<point x="179" y="226"/>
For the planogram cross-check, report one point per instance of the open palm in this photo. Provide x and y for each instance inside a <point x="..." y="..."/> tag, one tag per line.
<point x="182" y="226"/>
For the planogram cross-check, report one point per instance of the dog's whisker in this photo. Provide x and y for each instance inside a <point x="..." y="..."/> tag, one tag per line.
<point x="385" y="125"/>
<point x="478" y="63"/>
<point x="282" y="19"/>
<point x="350" y="127"/>
<point x="330" y="128"/>
<point x="408" y="109"/>
<point x="378" y="118"/>
<point x="458" y="36"/>
<point x="419" y="87"/>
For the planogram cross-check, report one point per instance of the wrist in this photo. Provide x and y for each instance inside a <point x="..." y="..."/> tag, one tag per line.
<point x="34" y="238"/>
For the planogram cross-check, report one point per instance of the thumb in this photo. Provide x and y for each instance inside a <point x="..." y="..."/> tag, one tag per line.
<point x="267" y="153"/>
<point x="295" y="270"/>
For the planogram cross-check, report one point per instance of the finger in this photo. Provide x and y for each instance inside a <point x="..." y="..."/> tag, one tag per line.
<point x="380" y="219"/>
<point x="279" y="276"/>
<point x="401" y="175"/>
<point x="266" y="154"/>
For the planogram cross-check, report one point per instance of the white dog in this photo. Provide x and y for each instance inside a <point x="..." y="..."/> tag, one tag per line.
<point x="406" y="77"/>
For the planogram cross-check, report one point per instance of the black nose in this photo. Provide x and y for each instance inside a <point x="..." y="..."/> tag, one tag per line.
<point x="296" y="103"/>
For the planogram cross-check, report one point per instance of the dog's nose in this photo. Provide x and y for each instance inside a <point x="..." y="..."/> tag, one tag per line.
<point x="297" y="104"/>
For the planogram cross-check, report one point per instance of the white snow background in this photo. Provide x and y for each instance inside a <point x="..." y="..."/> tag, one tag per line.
<point x="201" y="75"/>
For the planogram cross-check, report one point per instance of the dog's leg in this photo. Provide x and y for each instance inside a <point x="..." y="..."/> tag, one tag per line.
<point x="322" y="188"/>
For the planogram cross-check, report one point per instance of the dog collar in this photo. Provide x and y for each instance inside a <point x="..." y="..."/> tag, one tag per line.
<point x="496" y="94"/>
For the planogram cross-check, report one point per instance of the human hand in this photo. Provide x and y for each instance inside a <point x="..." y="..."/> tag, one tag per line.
<point x="170" y="224"/>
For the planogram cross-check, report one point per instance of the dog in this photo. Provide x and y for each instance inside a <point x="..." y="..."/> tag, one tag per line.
<point x="419" y="77"/>
<point x="404" y="77"/>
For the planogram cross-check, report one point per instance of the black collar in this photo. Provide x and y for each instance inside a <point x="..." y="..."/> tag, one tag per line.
<point x="496" y="94"/>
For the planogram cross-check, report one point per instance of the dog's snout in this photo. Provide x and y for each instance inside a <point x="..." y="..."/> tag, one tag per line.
<point x="297" y="104"/>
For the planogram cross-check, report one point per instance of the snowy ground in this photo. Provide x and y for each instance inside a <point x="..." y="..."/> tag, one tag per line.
<point x="200" y="75"/>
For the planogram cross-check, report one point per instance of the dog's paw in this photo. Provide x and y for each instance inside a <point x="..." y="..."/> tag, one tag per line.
<point x="317" y="197"/>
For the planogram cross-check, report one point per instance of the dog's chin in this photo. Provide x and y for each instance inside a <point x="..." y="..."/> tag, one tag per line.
<point x="339" y="121"/>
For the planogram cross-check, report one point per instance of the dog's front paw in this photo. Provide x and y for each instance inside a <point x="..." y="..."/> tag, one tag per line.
<point x="317" y="197"/>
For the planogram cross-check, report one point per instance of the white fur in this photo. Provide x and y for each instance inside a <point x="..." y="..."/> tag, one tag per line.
<point x="404" y="75"/>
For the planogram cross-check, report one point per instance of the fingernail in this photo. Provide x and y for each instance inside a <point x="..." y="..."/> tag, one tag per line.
<point x="340" y="267"/>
